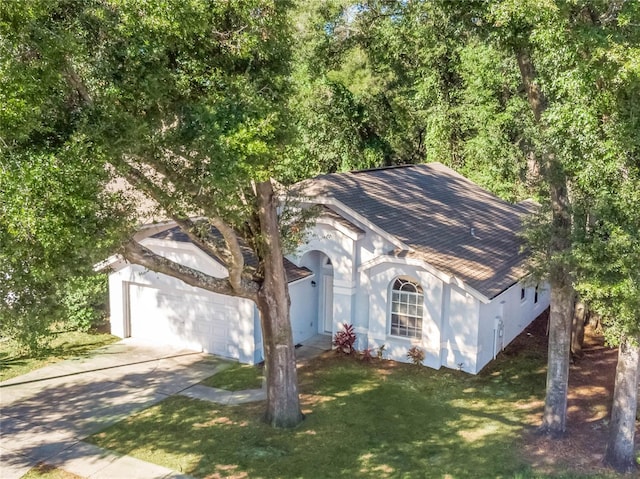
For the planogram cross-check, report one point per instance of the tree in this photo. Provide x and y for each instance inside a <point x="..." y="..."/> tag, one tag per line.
<point x="405" y="82"/>
<point x="609" y="279"/>
<point x="530" y="32"/>
<point x="184" y="99"/>
<point x="609" y="247"/>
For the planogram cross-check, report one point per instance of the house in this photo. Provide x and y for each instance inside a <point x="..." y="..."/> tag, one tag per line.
<point x="411" y="256"/>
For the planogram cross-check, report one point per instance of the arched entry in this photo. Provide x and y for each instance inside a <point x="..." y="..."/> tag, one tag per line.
<point x="322" y="267"/>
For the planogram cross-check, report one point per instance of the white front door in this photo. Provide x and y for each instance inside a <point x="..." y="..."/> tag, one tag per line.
<point x="328" y="302"/>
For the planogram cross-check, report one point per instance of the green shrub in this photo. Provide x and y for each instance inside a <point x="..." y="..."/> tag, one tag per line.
<point x="84" y="300"/>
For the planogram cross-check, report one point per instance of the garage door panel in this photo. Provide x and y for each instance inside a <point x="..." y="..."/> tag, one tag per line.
<point x="204" y="323"/>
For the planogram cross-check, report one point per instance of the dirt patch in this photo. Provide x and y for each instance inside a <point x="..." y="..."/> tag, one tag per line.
<point x="591" y="381"/>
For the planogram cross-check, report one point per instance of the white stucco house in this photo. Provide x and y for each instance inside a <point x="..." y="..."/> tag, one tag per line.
<point x="411" y="256"/>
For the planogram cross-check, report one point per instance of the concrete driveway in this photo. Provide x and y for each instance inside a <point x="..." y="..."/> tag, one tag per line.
<point x="49" y="410"/>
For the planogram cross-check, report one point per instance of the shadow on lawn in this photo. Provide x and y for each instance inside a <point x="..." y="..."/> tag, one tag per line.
<point x="380" y="420"/>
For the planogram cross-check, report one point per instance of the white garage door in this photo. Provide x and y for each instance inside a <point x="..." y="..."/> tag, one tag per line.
<point x="199" y="322"/>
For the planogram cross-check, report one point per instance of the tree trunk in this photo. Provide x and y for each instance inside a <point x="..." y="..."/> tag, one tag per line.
<point x="577" y="330"/>
<point x="595" y="321"/>
<point x="554" y="419"/>
<point x="622" y="427"/>
<point x="283" y="403"/>
<point x="562" y="293"/>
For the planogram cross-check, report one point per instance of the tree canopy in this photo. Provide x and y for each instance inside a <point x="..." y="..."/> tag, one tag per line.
<point x="186" y="101"/>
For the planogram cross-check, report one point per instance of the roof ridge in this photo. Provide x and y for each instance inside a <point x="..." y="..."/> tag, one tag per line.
<point x="382" y="168"/>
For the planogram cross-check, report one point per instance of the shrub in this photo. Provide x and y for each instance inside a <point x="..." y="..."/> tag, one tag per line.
<point x="366" y="354"/>
<point x="84" y="301"/>
<point x="345" y="339"/>
<point x="416" y="355"/>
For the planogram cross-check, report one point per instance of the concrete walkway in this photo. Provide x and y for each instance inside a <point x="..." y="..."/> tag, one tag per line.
<point x="44" y="415"/>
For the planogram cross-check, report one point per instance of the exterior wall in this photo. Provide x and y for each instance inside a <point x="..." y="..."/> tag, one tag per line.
<point x="376" y="291"/>
<point x="341" y="250"/>
<point x="304" y="309"/>
<point x="460" y="329"/>
<point x="258" y="354"/>
<point x="506" y="316"/>
<point x="371" y="245"/>
<point x="186" y="254"/>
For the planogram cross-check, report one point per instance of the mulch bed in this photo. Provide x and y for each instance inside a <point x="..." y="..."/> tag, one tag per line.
<point x="591" y="382"/>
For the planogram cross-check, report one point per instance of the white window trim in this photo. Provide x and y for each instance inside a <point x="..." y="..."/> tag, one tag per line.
<point x="418" y="304"/>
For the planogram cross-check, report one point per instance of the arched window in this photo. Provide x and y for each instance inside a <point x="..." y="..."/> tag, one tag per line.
<point x="406" y="309"/>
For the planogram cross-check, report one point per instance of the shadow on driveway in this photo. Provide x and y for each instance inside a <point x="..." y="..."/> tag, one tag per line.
<point x="49" y="410"/>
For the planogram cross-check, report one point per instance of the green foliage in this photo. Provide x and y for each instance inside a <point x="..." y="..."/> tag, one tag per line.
<point x="389" y="83"/>
<point x="84" y="300"/>
<point x="186" y="99"/>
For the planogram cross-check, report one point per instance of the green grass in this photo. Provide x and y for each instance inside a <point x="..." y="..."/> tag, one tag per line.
<point x="237" y="377"/>
<point x="46" y="472"/>
<point x="383" y="420"/>
<point x="13" y="362"/>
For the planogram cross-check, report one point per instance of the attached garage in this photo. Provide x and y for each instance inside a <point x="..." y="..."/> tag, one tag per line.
<point x="161" y="309"/>
<point x="193" y="321"/>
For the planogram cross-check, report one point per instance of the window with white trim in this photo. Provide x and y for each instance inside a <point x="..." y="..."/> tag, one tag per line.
<point x="407" y="302"/>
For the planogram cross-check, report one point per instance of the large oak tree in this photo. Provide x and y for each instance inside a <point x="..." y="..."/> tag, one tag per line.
<point x="185" y="99"/>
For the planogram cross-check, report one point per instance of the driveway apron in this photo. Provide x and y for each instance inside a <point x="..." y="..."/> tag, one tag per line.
<point x="48" y="411"/>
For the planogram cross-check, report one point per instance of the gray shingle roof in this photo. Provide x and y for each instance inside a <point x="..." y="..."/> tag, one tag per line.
<point x="293" y="272"/>
<point x="445" y="219"/>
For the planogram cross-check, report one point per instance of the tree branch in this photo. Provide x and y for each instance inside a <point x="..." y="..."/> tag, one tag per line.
<point x="77" y="84"/>
<point x="610" y="17"/>
<point x="536" y="97"/>
<point x="135" y="253"/>
<point x="232" y="256"/>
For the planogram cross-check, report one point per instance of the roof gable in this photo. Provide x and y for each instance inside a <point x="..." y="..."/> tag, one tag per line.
<point x="293" y="272"/>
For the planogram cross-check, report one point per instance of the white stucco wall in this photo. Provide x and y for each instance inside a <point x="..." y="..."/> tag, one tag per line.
<point x="340" y="247"/>
<point x="201" y="320"/>
<point x="511" y="314"/>
<point x="304" y="309"/>
<point x="376" y="291"/>
<point x="187" y="254"/>
<point x="460" y="329"/>
<point x="241" y="330"/>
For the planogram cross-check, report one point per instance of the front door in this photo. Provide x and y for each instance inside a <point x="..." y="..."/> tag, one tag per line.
<point x="328" y="302"/>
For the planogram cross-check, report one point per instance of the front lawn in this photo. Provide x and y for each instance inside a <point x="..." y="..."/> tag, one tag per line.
<point x="64" y="345"/>
<point x="381" y="420"/>
<point x="236" y="378"/>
